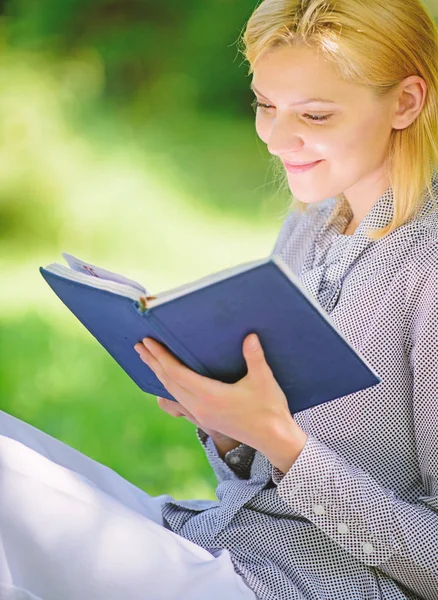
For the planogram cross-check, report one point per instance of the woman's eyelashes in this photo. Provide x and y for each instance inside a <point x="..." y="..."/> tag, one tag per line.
<point x="267" y="107"/>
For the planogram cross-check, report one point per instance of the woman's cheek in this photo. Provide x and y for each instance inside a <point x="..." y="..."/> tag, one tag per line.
<point x="263" y="129"/>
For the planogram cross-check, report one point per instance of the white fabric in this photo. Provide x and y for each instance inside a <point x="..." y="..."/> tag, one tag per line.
<point x="72" y="529"/>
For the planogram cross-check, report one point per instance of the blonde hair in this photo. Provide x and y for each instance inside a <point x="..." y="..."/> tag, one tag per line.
<point x="377" y="43"/>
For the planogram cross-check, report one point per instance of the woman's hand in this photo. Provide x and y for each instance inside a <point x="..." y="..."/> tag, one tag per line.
<point x="222" y="442"/>
<point x="253" y="410"/>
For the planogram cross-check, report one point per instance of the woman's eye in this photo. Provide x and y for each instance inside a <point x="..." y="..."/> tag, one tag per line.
<point x="256" y="104"/>
<point x="318" y="118"/>
<point x="313" y="118"/>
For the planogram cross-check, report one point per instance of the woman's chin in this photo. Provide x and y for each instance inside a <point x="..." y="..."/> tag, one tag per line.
<point x="308" y="198"/>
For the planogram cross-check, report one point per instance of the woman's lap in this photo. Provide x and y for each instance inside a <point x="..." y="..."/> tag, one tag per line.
<point x="72" y="528"/>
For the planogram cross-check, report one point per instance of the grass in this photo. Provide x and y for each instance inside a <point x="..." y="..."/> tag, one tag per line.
<point x="68" y="386"/>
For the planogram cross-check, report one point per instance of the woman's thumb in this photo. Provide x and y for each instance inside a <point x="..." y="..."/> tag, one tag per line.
<point x="254" y="355"/>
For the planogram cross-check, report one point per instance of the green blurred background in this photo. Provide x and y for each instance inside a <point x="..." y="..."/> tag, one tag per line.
<point x="127" y="139"/>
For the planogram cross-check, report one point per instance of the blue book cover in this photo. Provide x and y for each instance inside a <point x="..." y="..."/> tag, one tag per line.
<point x="204" y="324"/>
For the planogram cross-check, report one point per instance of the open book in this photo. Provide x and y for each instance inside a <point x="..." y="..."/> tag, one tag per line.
<point x="204" y="323"/>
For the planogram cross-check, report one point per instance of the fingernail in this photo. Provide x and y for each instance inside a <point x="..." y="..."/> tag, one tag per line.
<point x="147" y="343"/>
<point x="254" y="342"/>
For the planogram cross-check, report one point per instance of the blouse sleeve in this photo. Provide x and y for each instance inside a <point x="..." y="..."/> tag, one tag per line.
<point x="235" y="465"/>
<point x="351" y="507"/>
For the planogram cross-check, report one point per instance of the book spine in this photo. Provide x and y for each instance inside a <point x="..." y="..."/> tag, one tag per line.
<point x="175" y="345"/>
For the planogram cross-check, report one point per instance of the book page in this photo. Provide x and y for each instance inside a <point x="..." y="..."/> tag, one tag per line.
<point x="120" y="289"/>
<point x="94" y="276"/>
<point x="76" y="264"/>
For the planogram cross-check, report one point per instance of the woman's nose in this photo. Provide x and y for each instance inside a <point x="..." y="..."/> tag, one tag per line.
<point x="283" y="138"/>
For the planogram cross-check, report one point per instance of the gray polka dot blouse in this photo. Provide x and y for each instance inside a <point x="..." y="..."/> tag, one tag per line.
<point x="356" y="517"/>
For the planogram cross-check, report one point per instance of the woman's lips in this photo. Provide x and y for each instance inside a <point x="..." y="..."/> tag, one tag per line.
<point x="301" y="168"/>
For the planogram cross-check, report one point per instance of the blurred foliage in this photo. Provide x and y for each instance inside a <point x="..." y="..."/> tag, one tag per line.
<point x="126" y="138"/>
<point x="156" y="55"/>
<point x="164" y="79"/>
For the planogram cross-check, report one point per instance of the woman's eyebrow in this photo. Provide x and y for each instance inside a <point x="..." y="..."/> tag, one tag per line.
<point x="306" y="101"/>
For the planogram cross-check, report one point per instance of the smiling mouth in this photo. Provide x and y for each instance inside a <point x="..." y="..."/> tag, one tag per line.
<point x="305" y="164"/>
<point x="301" y="168"/>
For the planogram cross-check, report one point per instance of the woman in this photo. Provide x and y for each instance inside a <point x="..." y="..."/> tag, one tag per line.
<point x="339" y="501"/>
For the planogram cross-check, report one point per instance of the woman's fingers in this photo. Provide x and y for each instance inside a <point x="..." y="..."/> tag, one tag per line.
<point x="171" y="407"/>
<point x="166" y="366"/>
<point x="176" y="410"/>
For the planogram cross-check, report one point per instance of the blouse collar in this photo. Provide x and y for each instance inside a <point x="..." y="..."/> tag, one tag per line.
<point x="333" y="255"/>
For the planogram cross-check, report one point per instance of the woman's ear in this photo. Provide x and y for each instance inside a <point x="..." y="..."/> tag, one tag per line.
<point x="410" y="100"/>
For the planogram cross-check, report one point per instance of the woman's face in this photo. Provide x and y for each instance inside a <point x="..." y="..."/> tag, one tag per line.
<point x="349" y="131"/>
